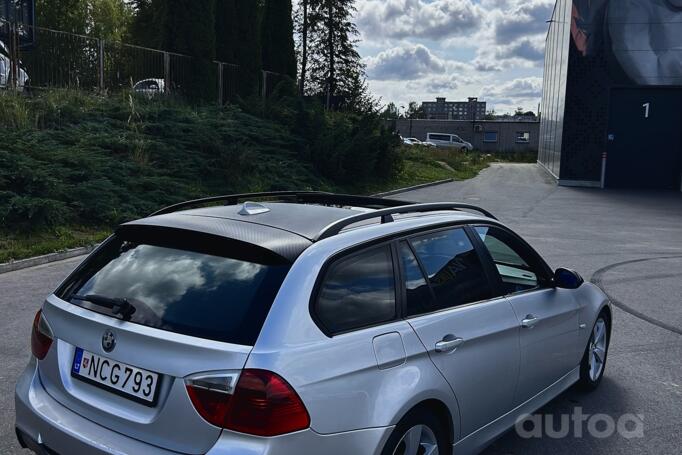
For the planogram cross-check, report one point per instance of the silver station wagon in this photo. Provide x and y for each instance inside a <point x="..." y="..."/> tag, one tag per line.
<point x="306" y="323"/>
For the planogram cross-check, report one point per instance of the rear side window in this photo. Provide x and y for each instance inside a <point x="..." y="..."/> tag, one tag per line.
<point x="454" y="269"/>
<point x="358" y="291"/>
<point x="439" y="137"/>
<point x="187" y="292"/>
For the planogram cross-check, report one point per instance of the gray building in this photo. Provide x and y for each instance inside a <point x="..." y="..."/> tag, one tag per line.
<point x="486" y="136"/>
<point x="441" y="109"/>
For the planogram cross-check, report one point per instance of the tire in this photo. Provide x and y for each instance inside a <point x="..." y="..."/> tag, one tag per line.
<point x="422" y="427"/>
<point x="593" y="363"/>
<point x="465" y="150"/>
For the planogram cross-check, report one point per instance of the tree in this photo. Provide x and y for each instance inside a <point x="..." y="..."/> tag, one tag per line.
<point x="307" y="21"/>
<point x="277" y="38"/>
<point x="226" y="31"/>
<point x="247" y="50"/>
<point x="414" y="111"/>
<point x="390" y="112"/>
<point x="110" y="19"/>
<point x="188" y="27"/>
<point x="145" y="27"/>
<point x="336" y="69"/>
<point x="65" y="15"/>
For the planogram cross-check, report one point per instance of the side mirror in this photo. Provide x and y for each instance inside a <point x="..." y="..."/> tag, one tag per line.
<point x="567" y="279"/>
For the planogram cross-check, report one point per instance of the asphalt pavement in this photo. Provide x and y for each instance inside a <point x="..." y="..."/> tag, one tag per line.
<point x="629" y="242"/>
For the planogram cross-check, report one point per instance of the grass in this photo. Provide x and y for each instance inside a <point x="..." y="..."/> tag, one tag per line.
<point x="21" y="245"/>
<point x="75" y="165"/>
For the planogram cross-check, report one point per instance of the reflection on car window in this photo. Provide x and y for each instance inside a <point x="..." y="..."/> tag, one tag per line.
<point x="186" y="292"/>
<point x="454" y="269"/>
<point x="358" y="291"/>
<point x="418" y="294"/>
<point x="515" y="273"/>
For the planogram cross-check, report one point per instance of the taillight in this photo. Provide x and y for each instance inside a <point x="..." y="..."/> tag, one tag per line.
<point x="262" y="403"/>
<point x="41" y="336"/>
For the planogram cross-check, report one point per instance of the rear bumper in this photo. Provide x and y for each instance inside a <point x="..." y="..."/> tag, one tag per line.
<point x="48" y="428"/>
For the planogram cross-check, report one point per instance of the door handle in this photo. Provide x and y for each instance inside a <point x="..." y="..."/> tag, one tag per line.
<point x="529" y="322"/>
<point x="449" y="344"/>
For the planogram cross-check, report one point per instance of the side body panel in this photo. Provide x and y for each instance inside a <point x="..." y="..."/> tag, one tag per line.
<point x="483" y="371"/>
<point x="548" y="348"/>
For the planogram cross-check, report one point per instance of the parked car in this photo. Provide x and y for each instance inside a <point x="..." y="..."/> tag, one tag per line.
<point x="429" y="144"/>
<point x="450" y="141"/>
<point x="411" y="141"/>
<point x="150" y="87"/>
<point x="6" y="68"/>
<point x="310" y="323"/>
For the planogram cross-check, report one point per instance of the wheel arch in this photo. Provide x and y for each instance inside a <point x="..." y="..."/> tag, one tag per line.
<point x="440" y="410"/>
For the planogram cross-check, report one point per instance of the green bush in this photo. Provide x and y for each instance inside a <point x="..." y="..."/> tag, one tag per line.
<point x="71" y="157"/>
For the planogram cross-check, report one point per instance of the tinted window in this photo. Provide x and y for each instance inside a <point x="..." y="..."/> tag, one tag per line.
<point x="358" y="291"/>
<point x="182" y="291"/>
<point x="453" y="267"/>
<point x="439" y="137"/>
<point x="511" y="260"/>
<point x="417" y="292"/>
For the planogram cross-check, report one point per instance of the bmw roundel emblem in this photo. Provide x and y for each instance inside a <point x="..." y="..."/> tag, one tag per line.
<point x="108" y="341"/>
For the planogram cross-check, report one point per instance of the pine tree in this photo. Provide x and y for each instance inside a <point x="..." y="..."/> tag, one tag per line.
<point x="336" y="69"/>
<point x="247" y="50"/>
<point x="188" y="27"/>
<point x="145" y="28"/>
<point x="277" y="38"/>
<point x="304" y="25"/>
<point x="226" y="30"/>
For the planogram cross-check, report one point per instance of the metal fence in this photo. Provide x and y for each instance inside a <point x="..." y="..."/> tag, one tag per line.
<point x="66" y="60"/>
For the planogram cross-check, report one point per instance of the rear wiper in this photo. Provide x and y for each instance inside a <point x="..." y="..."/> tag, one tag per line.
<point x="117" y="306"/>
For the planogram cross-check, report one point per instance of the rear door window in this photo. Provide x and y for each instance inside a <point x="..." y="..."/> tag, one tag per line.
<point x="453" y="267"/>
<point x="418" y="295"/>
<point x="358" y="291"/>
<point x="188" y="292"/>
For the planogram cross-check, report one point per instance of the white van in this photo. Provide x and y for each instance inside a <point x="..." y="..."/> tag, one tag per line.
<point x="449" y="140"/>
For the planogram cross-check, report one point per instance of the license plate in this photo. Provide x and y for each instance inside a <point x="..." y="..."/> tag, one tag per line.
<point x="117" y="377"/>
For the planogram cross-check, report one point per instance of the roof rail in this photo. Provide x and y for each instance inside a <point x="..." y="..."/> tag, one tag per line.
<point x="301" y="197"/>
<point x="386" y="215"/>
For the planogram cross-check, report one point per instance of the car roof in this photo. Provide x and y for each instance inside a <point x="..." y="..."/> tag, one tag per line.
<point x="286" y="229"/>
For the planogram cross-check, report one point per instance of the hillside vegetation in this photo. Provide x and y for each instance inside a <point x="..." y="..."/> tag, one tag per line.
<point x="74" y="165"/>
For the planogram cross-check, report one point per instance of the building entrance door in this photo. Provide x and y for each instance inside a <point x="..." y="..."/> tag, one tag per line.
<point x="645" y="138"/>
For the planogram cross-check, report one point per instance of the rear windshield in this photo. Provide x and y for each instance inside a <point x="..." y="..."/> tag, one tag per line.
<point x="216" y="297"/>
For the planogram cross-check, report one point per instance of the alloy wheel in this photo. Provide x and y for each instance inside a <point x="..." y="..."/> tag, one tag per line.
<point x="597" y="349"/>
<point x="418" y="440"/>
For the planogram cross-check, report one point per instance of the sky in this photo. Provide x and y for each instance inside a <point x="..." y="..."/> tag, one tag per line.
<point x="416" y="50"/>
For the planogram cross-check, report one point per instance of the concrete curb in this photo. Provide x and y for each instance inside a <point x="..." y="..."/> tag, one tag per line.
<point x="68" y="254"/>
<point x="412" y="188"/>
<point x="45" y="259"/>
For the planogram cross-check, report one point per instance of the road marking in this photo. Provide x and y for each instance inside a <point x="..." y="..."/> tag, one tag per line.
<point x="598" y="279"/>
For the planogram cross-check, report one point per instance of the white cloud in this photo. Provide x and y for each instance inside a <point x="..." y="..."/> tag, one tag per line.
<point x="434" y="20"/>
<point x="408" y="63"/>
<point x="522" y="89"/>
<point x="421" y="49"/>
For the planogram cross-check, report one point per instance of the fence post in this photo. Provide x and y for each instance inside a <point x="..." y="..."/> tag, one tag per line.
<point x="166" y="73"/>
<point x="13" y="56"/>
<point x="100" y="78"/>
<point x="264" y="89"/>
<point x="221" y="97"/>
